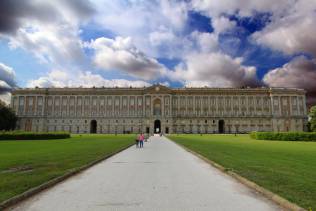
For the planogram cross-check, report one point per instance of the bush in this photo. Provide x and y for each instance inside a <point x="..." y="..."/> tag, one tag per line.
<point x="284" y="136"/>
<point x="7" y="118"/>
<point x="21" y="135"/>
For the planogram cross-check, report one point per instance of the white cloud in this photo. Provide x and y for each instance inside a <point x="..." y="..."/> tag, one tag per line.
<point x="5" y="97"/>
<point x="291" y="34"/>
<point x="55" y="44"/>
<point x="143" y="21"/>
<point x="204" y="42"/>
<point x="242" y="7"/>
<point x="7" y="82"/>
<point x="58" y="78"/>
<point x="300" y="72"/>
<point x="121" y="54"/>
<point x="49" y="30"/>
<point x="215" y="70"/>
<point x="162" y="36"/>
<point x="222" y="24"/>
<point x="7" y="78"/>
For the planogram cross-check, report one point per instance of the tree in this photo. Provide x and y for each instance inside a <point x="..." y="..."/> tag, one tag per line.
<point x="312" y="120"/>
<point x="7" y="118"/>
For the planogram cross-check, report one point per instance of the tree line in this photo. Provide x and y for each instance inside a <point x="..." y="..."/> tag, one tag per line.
<point x="7" y="118"/>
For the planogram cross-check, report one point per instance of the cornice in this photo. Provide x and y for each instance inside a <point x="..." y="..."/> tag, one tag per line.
<point x="157" y="89"/>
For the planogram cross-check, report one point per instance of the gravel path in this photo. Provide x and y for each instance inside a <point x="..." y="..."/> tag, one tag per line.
<point x="161" y="176"/>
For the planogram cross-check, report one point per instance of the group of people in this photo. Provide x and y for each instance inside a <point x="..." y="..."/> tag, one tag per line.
<point x="140" y="140"/>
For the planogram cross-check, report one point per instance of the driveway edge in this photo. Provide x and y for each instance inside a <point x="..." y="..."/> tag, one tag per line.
<point x="31" y="192"/>
<point x="268" y="194"/>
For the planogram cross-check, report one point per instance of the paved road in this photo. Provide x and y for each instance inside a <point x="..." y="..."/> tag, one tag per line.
<point x="161" y="176"/>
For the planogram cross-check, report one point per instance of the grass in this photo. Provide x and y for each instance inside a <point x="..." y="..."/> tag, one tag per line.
<point x="285" y="168"/>
<point x="26" y="164"/>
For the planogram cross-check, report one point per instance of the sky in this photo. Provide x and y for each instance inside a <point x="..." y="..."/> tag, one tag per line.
<point x="177" y="43"/>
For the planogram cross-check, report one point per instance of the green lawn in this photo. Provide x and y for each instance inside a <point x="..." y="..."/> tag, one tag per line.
<point x="285" y="168"/>
<point x="26" y="164"/>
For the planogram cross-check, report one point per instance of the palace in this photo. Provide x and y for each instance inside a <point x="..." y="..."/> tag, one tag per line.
<point x="159" y="109"/>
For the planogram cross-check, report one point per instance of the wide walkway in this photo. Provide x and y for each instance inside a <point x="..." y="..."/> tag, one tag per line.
<point x="161" y="176"/>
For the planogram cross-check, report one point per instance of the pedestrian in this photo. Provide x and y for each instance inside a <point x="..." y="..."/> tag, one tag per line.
<point x="137" y="141"/>
<point x="141" y="140"/>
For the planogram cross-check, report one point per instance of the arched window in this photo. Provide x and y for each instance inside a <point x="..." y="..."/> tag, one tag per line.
<point x="157" y="107"/>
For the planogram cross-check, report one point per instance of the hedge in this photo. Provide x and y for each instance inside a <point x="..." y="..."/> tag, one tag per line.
<point x="284" y="136"/>
<point x="21" y="135"/>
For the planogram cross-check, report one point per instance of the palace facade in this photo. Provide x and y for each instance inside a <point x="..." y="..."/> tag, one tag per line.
<point x="160" y="109"/>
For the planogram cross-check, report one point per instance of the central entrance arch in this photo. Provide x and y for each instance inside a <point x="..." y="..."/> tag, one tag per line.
<point x="221" y="126"/>
<point x="157" y="126"/>
<point x="93" y="126"/>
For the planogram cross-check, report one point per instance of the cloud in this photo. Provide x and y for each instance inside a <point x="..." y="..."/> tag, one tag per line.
<point x="291" y="34"/>
<point x="5" y="97"/>
<point x="7" y="78"/>
<point x="161" y="36"/>
<point x="222" y="24"/>
<point x="121" y="54"/>
<point x="7" y="82"/>
<point x="56" y="45"/>
<point x="49" y="30"/>
<point x="143" y="21"/>
<point x="298" y="73"/>
<point x="58" y="78"/>
<point x="204" y="42"/>
<point x="241" y="8"/>
<point x="215" y="70"/>
<point x="13" y="13"/>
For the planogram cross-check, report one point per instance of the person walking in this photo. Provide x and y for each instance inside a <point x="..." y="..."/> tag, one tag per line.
<point x="137" y="141"/>
<point x="141" y="140"/>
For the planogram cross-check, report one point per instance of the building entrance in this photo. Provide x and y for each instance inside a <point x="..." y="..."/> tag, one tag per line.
<point x="157" y="126"/>
<point x="93" y="126"/>
<point x="221" y="126"/>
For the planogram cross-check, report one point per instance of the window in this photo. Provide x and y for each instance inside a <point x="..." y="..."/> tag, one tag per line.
<point x="157" y="107"/>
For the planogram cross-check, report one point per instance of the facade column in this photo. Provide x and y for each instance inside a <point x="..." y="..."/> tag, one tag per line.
<point x="144" y="106"/>
<point x="35" y="106"/>
<point x="298" y="106"/>
<point x="186" y="105"/>
<point x="128" y="104"/>
<point x="179" y="101"/>
<point x="254" y="105"/>
<point x="43" y="105"/>
<point x="247" y="105"/>
<point x="216" y="105"/>
<point x="304" y="105"/>
<point x="280" y="109"/>
<point x="75" y="106"/>
<point x="262" y="107"/>
<point x="53" y="106"/>
<point x="272" y="105"/>
<point x="68" y="106"/>
<point x="240" y="105"/>
<point x="290" y="101"/>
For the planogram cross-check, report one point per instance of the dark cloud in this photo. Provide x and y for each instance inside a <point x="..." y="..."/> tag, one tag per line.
<point x="298" y="73"/>
<point x="82" y="8"/>
<point x="7" y="78"/>
<point x="14" y="12"/>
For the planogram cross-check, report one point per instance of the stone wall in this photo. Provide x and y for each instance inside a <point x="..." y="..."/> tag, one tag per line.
<point x="134" y="110"/>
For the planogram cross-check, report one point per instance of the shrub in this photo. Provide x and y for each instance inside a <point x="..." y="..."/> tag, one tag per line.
<point x="21" y="135"/>
<point x="7" y="118"/>
<point x="284" y="136"/>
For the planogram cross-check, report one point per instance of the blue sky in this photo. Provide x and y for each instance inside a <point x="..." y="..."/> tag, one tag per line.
<point x="191" y="43"/>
